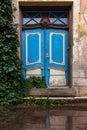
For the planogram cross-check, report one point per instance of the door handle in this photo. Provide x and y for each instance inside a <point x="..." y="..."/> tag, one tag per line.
<point x="47" y="56"/>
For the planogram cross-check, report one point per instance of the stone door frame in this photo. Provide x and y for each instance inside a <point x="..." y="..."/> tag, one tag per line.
<point x="74" y="10"/>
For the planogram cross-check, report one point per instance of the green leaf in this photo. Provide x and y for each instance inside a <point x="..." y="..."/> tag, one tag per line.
<point x="11" y="78"/>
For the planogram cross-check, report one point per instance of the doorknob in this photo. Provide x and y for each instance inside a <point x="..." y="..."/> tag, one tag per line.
<point x="47" y="56"/>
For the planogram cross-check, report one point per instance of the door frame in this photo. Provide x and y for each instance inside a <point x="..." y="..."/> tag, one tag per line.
<point x="68" y="5"/>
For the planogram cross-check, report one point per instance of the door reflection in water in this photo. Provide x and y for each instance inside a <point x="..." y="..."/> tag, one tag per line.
<point x="37" y="119"/>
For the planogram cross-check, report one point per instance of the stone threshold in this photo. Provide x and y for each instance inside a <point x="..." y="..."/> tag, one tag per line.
<point x="59" y="98"/>
<point x="53" y="92"/>
<point x="71" y="102"/>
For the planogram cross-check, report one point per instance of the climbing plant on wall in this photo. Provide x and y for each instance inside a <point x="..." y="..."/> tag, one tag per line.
<point x="11" y="79"/>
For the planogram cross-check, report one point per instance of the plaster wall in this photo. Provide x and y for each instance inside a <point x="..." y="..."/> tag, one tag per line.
<point x="80" y="66"/>
<point x="79" y="47"/>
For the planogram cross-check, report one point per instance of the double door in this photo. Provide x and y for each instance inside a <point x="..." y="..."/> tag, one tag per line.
<point x="45" y="54"/>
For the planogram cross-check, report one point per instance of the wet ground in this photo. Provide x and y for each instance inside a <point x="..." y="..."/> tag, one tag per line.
<point x="26" y="118"/>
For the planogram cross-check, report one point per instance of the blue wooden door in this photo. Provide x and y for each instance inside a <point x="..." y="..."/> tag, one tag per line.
<point x="45" y="53"/>
<point x="33" y="52"/>
<point x="56" y="57"/>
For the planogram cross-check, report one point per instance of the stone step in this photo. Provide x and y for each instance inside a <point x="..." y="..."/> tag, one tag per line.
<point x="53" y="92"/>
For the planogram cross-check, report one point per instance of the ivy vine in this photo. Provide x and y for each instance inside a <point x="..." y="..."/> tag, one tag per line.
<point x="11" y="78"/>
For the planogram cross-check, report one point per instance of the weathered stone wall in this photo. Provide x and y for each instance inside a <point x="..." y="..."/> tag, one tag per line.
<point x="79" y="56"/>
<point x="83" y="46"/>
<point x="80" y="67"/>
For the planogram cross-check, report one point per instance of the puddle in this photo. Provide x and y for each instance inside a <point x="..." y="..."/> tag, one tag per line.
<point x="38" y="119"/>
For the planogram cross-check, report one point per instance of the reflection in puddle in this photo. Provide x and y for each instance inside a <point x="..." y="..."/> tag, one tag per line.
<point x="47" y="122"/>
<point x="37" y="119"/>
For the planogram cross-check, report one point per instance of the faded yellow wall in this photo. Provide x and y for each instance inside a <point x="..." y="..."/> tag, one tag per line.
<point x="83" y="30"/>
<point x="82" y="65"/>
<point x="79" y="56"/>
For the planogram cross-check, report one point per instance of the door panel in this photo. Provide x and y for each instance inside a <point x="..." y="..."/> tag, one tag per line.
<point x="34" y="48"/>
<point x="33" y="52"/>
<point x="58" y="57"/>
<point x="56" y="47"/>
<point x="45" y="53"/>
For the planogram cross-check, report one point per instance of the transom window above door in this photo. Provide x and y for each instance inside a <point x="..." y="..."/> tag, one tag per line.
<point x="45" y="18"/>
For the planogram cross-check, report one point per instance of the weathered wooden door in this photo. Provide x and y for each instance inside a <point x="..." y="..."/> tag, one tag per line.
<point x="45" y="53"/>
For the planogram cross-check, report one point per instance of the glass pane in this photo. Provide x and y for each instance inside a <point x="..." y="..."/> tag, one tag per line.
<point x="55" y="17"/>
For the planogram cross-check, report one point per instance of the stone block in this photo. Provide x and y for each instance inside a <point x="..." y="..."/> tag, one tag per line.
<point x="83" y="91"/>
<point x="53" y="92"/>
<point x="81" y="74"/>
<point x="82" y="65"/>
<point x="83" y="29"/>
<point x="85" y="73"/>
<point x="80" y="81"/>
<point x="58" y="120"/>
<point x="79" y="120"/>
<point x="75" y="74"/>
<point x="83" y="48"/>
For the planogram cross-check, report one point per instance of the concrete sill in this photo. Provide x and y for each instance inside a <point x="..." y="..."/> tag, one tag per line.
<point x="53" y="92"/>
